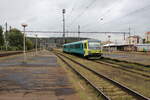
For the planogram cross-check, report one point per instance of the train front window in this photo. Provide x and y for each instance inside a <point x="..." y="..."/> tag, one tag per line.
<point x="94" y="45"/>
<point x="85" y="46"/>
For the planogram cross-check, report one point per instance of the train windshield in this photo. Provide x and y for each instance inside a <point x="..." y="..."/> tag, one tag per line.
<point x="94" y="45"/>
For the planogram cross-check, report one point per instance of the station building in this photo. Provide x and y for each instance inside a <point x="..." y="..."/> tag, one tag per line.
<point x="133" y="39"/>
<point x="147" y="37"/>
<point x="127" y="47"/>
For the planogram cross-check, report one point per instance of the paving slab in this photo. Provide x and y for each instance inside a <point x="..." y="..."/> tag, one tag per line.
<point x="40" y="78"/>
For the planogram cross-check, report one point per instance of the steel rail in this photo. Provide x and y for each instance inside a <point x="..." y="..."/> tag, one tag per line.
<point x="128" y="90"/>
<point x="87" y="81"/>
<point x="10" y="54"/>
<point x="128" y="62"/>
<point x="121" y="67"/>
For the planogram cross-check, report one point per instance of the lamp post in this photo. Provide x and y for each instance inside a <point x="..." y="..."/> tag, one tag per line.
<point x="6" y="43"/>
<point x="63" y="12"/>
<point x="109" y="41"/>
<point x="79" y="32"/>
<point x="36" y="42"/>
<point x="24" y="40"/>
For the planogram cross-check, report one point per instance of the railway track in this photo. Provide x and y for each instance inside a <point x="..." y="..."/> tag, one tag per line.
<point x="9" y="53"/>
<point x="106" y="87"/>
<point x="125" y="68"/>
<point x="13" y="53"/>
<point x="124" y="61"/>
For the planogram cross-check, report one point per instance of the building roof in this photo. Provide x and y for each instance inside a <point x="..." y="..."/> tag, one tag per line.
<point x="115" y="45"/>
<point x="147" y="32"/>
<point x="135" y="36"/>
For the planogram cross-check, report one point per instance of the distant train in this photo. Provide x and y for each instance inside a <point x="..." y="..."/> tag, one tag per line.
<point x="86" y="48"/>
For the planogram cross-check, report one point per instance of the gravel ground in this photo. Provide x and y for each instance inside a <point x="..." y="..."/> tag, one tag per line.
<point x="131" y="57"/>
<point x="40" y="78"/>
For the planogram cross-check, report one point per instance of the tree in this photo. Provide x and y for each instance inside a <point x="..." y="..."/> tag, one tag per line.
<point x="15" y="39"/>
<point x="29" y="44"/>
<point x="1" y="37"/>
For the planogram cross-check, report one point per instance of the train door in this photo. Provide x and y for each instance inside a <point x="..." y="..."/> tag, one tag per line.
<point x="85" y="46"/>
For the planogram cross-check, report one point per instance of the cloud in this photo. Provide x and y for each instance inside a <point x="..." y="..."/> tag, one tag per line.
<point x="47" y="15"/>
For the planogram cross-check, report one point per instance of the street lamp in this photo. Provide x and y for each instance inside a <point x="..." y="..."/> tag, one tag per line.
<point x="24" y="40"/>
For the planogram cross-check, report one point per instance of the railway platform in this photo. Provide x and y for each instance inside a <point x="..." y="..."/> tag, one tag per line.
<point x="40" y="78"/>
<point x="141" y="58"/>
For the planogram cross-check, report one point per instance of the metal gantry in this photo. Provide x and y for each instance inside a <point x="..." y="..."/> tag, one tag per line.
<point x="83" y="32"/>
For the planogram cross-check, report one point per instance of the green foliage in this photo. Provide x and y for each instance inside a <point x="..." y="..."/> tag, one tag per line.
<point x="148" y="42"/>
<point x="29" y="44"/>
<point x="15" y="39"/>
<point x="1" y="37"/>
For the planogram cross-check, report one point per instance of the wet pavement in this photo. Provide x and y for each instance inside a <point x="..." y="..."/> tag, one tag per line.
<point x="41" y="78"/>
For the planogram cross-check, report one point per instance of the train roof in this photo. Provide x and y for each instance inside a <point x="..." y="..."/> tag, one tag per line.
<point x="90" y="40"/>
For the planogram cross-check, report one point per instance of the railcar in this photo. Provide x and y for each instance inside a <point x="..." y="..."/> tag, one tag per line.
<point x="86" y="48"/>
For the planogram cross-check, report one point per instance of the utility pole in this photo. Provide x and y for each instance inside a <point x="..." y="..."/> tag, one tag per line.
<point x="36" y="43"/>
<point x="130" y="38"/>
<point x="10" y="28"/>
<point x="124" y="36"/>
<point x="109" y="42"/>
<point x="6" y="26"/>
<point x="79" y="32"/>
<point x="129" y="35"/>
<point x="63" y="12"/>
<point x="24" y="40"/>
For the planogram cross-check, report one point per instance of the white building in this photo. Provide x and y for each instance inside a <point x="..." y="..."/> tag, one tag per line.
<point x="147" y="37"/>
<point x="133" y="40"/>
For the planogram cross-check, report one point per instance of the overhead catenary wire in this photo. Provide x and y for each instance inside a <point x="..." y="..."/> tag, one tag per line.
<point x="101" y="17"/>
<point x="126" y="15"/>
<point x="130" y="13"/>
<point x="72" y="9"/>
<point x="82" y="13"/>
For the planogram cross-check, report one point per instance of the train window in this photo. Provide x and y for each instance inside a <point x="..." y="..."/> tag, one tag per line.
<point x="85" y="46"/>
<point x="94" y="45"/>
<point x="78" y="46"/>
<point x="71" y="46"/>
<point x="81" y="45"/>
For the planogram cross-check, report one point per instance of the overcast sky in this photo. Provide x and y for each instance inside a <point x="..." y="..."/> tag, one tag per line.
<point x="91" y="15"/>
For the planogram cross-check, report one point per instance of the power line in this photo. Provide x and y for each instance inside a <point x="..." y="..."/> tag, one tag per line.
<point x="128" y="14"/>
<point x="109" y="10"/>
<point x="103" y="15"/>
<point x="131" y="13"/>
<point x="82" y="13"/>
<point x="72" y="9"/>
